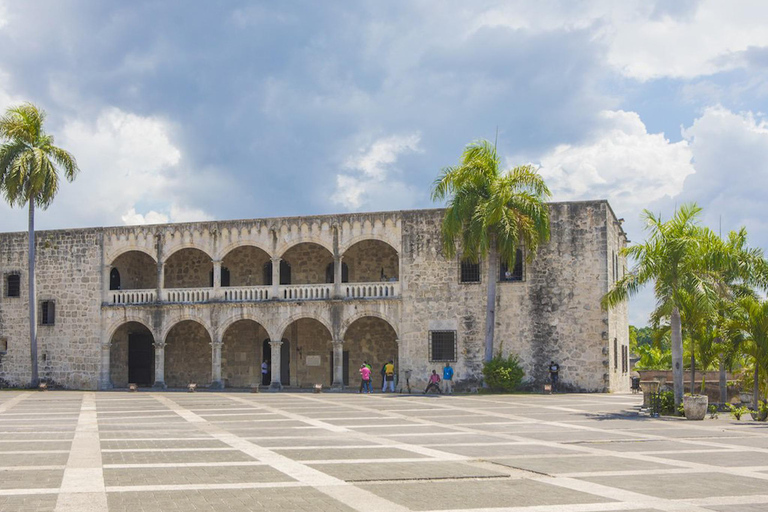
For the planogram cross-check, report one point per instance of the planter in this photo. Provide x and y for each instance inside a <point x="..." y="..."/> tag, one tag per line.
<point x="760" y="415"/>
<point x="695" y="406"/>
<point x="746" y="398"/>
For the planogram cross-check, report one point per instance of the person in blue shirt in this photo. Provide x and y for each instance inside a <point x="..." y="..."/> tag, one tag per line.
<point x="447" y="383"/>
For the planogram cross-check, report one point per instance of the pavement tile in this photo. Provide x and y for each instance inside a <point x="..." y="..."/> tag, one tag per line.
<point x="406" y="471"/>
<point x="686" y="486"/>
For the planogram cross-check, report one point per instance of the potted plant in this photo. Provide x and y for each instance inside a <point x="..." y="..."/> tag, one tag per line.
<point x="761" y="414"/>
<point x="695" y="406"/>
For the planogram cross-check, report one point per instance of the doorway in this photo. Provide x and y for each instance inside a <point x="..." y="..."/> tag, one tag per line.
<point x="141" y="359"/>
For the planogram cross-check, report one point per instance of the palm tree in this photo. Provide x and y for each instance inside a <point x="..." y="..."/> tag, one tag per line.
<point x="752" y="321"/>
<point x="671" y="256"/>
<point x="29" y="175"/>
<point x="492" y="213"/>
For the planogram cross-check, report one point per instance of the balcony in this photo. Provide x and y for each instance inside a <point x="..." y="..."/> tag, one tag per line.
<point x="293" y="292"/>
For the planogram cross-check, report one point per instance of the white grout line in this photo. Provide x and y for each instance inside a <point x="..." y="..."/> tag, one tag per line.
<point x="203" y="487"/>
<point x="183" y="465"/>
<point x="82" y="487"/>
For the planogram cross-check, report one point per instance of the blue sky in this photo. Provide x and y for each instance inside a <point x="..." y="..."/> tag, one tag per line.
<point x="192" y="110"/>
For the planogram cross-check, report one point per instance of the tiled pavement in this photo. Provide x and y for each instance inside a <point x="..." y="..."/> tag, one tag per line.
<point x="146" y="451"/>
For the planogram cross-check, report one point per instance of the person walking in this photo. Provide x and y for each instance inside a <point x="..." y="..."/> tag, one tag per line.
<point x="265" y="373"/>
<point x="554" y="371"/>
<point x="434" y="380"/>
<point x="365" y="375"/>
<point x="389" y="376"/>
<point x="447" y="384"/>
<point x="365" y="363"/>
<point x="383" y="376"/>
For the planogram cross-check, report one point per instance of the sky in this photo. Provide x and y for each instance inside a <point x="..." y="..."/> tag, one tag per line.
<point x="194" y="110"/>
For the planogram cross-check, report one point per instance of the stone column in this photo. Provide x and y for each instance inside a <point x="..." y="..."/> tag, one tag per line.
<point x="105" y="283"/>
<point x="159" y="365"/>
<point x="338" y="365"/>
<point x="337" y="277"/>
<point x="216" y="382"/>
<point x="104" y="381"/>
<point x="275" y="281"/>
<point x="276" y="384"/>
<point x="217" y="279"/>
<point x="160" y="281"/>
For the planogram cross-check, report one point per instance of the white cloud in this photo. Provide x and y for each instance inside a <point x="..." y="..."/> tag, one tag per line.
<point x="621" y="162"/>
<point x="368" y="181"/>
<point x="647" y="40"/>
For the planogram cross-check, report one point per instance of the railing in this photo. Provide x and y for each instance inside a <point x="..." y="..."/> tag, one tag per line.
<point x="306" y="291"/>
<point x="246" y="293"/>
<point x="383" y="290"/>
<point x="131" y="296"/>
<point x="371" y="290"/>
<point x="187" y="294"/>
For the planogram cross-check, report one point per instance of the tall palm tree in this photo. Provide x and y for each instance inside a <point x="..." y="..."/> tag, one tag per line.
<point x="491" y="213"/>
<point x="671" y="257"/>
<point x="29" y="175"/>
<point x="752" y="320"/>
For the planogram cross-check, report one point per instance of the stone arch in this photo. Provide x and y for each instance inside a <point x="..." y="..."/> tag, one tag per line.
<point x="131" y="354"/>
<point x="137" y="269"/>
<point x="343" y="247"/>
<point x="241" y="353"/>
<point x="188" y="354"/>
<point x="226" y="249"/>
<point x="180" y="247"/>
<point x="362" y="314"/>
<point x="310" y="350"/>
<point x="171" y="322"/>
<point x="280" y="331"/>
<point x="192" y="269"/>
<point x="370" y="338"/>
<point x="371" y="260"/>
<point x="124" y="319"/>
<point x="308" y="261"/>
<point x="286" y="246"/>
<point x="245" y="264"/>
<point x="122" y="250"/>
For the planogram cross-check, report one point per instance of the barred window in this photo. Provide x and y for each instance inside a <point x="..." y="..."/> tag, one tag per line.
<point x="624" y="359"/>
<point x="13" y="285"/>
<point x="47" y="312"/>
<point x="442" y="346"/>
<point x="615" y="353"/>
<point x="470" y="272"/>
<point x="516" y="274"/>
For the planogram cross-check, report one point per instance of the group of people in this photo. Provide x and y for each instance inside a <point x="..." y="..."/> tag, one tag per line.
<point x="441" y="386"/>
<point x="387" y="377"/>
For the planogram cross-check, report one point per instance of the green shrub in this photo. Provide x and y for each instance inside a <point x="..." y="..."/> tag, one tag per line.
<point x="503" y="375"/>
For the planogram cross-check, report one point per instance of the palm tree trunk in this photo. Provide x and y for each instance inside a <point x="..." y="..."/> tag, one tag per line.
<point x="723" y="380"/>
<point x="693" y="368"/>
<point x="32" y="295"/>
<point x="490" y="307"/>
<point x="677" y="356"/>
<point x="756" y="390"/>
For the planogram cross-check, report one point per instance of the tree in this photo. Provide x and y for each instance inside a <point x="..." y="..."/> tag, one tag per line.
<point x="752" y="320"/>
<point x="491" y="213"/>
<point x="671" y="257"/>
<point x="29" y="175"/>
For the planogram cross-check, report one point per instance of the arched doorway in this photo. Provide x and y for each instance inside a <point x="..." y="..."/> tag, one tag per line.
<point x="132" y="356"/>
<point x="241" y="354"/>
<point x="373" y="340"/>
<point x="187" y="355"/>
<point x="309" y="344"/>
<point x="133" y="270"/>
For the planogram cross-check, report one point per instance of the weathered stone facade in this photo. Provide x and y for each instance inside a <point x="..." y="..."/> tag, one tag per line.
<point x="202" y="294"/>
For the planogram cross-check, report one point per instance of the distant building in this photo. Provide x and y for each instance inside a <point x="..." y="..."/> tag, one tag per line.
<point x="208" y="302"/>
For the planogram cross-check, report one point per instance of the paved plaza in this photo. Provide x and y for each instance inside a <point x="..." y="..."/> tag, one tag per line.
<point x="146" y="451"/>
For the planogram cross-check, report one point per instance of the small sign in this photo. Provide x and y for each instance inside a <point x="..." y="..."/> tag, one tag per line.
<point x="314" y="361"/>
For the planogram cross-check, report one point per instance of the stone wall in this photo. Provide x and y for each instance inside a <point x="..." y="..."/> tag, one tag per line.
<point x="68" y="273"/>
<point x="138" y="271"/>
<point x="308" y="263"/>
<point x="367" y="259"/>
<point x="187" y="355"/>
<point x="241" y="354"/>
<point x="188" y="268"/>
<point x="310" y="343"/>
<point x="246" y="266"/>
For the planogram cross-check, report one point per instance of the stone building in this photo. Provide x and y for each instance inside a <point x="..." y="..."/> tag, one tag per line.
<point x="208" y="302"/>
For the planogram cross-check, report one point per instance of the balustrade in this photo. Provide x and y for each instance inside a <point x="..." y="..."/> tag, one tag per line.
<point x="187" y="294"/>
<point x="246" y="293"/>
<point x="131" y="296"/>
<point x="372" y="290"/>
<point x="306" y="291"/>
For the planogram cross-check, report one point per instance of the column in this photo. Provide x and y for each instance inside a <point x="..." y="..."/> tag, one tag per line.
<point x="275" y="282"/>
<point x="338" y="365"/>
<point x="160" y="280"/>
<point x="105" y="283"/>
<point x="216" y="382"/>
<point x="217" y="279"/>
<point x="276" y="384"/>
<point x="337" y="277"/>
<point x="104" y="381"/>
<point x="159" y="365"/>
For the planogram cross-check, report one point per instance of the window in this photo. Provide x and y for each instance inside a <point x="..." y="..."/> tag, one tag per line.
<point x="516" y="274"/>
<point x="13" y="285"/>
<point x="615" y="353"/>
<point x="624" y="359"/>
<point x="47" y="312"/>
<point x="344" y="273"/>
<point x="442" y="346"/>
<point x="470" y="272"/>
<point x="114" y="279"/>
